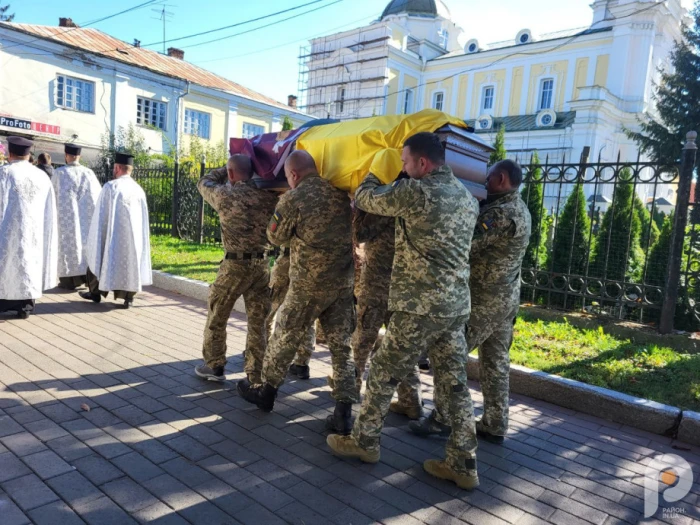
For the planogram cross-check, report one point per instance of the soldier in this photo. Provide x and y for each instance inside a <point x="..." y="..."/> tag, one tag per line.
<point x="315" y="219"/>
<point x="429" y="301"/>
<point x="500" y="240"/>
<point x="244" y="211"/>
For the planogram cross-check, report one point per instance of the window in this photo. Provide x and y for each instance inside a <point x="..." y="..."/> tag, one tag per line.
<point x="76" y="94"/>
<point x="487" y="98"/>
<point x="197" y="123"/>
<point x="340" y="103"/>
<point x="408" y="102"/>
<point x="251" y="130"/>
<point x="150" y="112"/>
<point x="444" y="38"/>
<point x="546" y="93"/>
<point x="438" y="100"/>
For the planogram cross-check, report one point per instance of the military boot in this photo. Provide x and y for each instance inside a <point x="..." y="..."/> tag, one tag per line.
<point x="429" y="426"/>
<point x="409" y="412"/>
<point x="212" y="374"/>
<point x="346" y="446"/>
<point x="468" y="480"/>
<point x="261" y="395"/>
<point x="301" y="371"/>
<point x="340" y="422"/>
<point x="486" y="435"/>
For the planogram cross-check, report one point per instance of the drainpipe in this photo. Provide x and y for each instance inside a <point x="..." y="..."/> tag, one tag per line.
<point x="177" y="121"/>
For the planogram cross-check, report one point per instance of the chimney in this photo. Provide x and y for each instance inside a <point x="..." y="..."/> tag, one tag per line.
<point x="176" y="53"/>
<point x="137" y="43"/>
<point x="292" y="101"/>
<point x="66" y="22"/>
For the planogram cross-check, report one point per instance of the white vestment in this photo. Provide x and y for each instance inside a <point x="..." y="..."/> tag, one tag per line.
<point x="28" y="236"/>
<point x="119" y="250"/>
<point x="77" y="190"/>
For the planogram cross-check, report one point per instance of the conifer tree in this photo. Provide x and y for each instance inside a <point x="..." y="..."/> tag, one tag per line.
<point x="499" y="144"/>
<point x="659" y="254"/>
<point x="533" y="195"/>
<point x="287" y="123"/>
<point x="650" y="230"/>
<point x="570" y="246"/>
<point x="3" y="16"/>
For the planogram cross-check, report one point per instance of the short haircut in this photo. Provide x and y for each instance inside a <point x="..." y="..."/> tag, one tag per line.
<point x="44" y="158"/>
<point x="301" y="161"/>
<point x="426" y="145"/>
<point x="512" y="169"/>
<point x="241" y="164"/>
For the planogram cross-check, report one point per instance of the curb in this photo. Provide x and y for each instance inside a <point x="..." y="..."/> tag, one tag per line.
<point x="596" y="401"/>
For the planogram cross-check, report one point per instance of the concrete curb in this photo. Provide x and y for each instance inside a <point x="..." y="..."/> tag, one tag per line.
<point x="596" y="401"/>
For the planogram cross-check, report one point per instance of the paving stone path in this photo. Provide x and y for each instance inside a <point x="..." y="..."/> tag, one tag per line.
<point x="102" y="421"/>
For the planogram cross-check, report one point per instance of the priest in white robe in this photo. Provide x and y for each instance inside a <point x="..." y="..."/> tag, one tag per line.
<point x="77" y="190"/>
<point x="28" y="235"/>
<point x="119" y="250"/>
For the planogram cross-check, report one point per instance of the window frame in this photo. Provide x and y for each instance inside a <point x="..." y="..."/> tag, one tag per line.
<point x="140" y="108"/>
<point x="409" y="95"/>
<point x="340" y="102"/>
<point x="541" y="93"/>
<point x="61" y="93"/>
<point x="195" y="132"/>
<point x="484" y="89"/>
<point x="250" y="124"/>
<point x="434" y="100"/>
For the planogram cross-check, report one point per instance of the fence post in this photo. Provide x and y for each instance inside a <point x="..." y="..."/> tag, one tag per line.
<point x="200" y="210"/>
<point x="176" y="200"/>
<point x="680" y="221"/>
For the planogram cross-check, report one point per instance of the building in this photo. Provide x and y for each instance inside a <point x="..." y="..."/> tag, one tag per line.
<point x="555" y="93"/>
<point x="75" y="84"/>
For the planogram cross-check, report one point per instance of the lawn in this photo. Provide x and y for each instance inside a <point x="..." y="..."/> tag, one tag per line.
<point x="587" y="355"/>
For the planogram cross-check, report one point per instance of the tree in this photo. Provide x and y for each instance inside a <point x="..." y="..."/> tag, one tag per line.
<point x="676" y="99"/>
<point x="533" y="195"/>
<point x="659" y="218"/>
<point x="650" y="230"/>
<point x="500" y="146"/>
<point x="287" y="124"/>
<point x="658" y="256"/>
<point x="3" y="16"/>
<point x="570" y="246"/>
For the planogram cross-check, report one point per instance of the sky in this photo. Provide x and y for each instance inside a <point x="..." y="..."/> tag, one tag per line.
<point x="266" y="59"/>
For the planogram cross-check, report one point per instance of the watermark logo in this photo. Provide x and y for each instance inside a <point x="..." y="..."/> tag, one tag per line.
<point x="668" y="475"/>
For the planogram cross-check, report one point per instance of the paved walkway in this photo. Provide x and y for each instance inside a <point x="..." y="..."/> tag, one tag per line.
<point x="102" y="421"/>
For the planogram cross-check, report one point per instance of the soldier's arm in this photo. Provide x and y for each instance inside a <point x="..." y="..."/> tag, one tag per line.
<point x="402" y="198"/>
<point x="490" y="227"/>
<point x="210" y="183"/>
<point x="283" y="222"/>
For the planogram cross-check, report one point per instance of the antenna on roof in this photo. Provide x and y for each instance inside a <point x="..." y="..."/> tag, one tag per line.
<point x="164" y="16"/>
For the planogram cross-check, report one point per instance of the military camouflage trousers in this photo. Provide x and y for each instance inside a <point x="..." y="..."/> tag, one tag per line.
<point x="300" y="309"/>
<point x="372" y="313"/>
<point x="303" y="355"/>
<point x="235" y="279"/>
<point x="406" y="337"/>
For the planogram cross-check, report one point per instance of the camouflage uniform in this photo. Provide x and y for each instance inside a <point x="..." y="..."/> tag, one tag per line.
<point x="372" y="289"/>
<point x="244" y="211"/>
<point x="315" y="219"/>
<point x="279" y="284"/>
<point x="429" y="301"/>
<point x="500" y="240"/>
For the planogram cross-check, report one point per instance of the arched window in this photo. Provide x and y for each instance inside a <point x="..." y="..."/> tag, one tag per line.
<point x="487" y="98"/>
<point x="439" y="100"/>
<point x="546" y="95"/>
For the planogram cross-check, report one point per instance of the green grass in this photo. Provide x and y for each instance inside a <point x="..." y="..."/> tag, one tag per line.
<point x="590" y="356"/>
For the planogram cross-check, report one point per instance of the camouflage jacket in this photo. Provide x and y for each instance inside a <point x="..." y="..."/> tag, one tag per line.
<point x="244" y="211"/>
<point x="377" y="233"/>
<point x="435" y="222"/>
<point x="500" y="240"/>
<point x="316" y="220"/>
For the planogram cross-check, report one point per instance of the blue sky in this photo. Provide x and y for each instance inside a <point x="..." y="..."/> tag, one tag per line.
<point x="266" y="60"/>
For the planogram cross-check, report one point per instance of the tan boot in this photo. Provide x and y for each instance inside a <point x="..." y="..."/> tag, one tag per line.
<point x="409" y="412"/>
<point x="346" y="446"/>
<point x="442" y="470"/>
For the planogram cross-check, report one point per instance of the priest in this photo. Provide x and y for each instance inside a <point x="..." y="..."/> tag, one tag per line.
<point x="77" y="190"/>
<point x="28" y="235"/>
<point x="119" y="252"/>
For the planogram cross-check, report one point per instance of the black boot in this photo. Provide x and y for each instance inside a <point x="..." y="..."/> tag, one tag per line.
<point x="340" y="422"/>
<point x="94" y="297"/>
<point x="301" y="371"/>
<point x="261" y="395"/>
<point x="429" y="426"/>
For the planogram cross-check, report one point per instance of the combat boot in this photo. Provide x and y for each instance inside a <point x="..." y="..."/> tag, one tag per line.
<point x="488" y="436"/>
<point x="301" y="371"/>
<point x="261" y="395"/>
<point x="212" y="374"/>
<point x="340" y="422"/>
<point x="409" y="412"/>
<point x="440" y="469"/>
<point x="429" y="426"/>
<point x="346" y="446"/>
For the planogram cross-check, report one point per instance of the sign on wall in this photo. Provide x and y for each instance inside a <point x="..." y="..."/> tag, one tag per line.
<point x="28" y="125"/>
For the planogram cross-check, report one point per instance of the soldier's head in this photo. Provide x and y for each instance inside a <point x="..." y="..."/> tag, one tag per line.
<point x="239" y="168"/>
<point x="299" y="165"/>
<point x="504" y="177"/>
<point x="422" y="153"/>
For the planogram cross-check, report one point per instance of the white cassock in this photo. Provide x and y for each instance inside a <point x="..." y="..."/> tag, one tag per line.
<point x="77" y="190"/>
<point x="28" y="236"/>
<point x="119" y="250"/>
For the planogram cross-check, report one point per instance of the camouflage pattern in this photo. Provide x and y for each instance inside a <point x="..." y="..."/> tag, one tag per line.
<point x="428" y="300"/>
<point x="431" y="266"/>
<point x="372" y="289"/>
<point x="315" y="219"/>
<point x="244" y="211"/>
<point x="279" y="284"/>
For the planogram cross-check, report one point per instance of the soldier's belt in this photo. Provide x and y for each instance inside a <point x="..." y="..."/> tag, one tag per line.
<point x="277" y="252"/>
<point x="237" y="256"/>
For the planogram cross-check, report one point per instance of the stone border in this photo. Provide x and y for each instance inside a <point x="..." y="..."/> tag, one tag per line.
<point x="596" y="401"/>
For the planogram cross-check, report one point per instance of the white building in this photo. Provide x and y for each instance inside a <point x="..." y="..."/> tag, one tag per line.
<point x="555" y="93"/>
<point x="74" y="84"/>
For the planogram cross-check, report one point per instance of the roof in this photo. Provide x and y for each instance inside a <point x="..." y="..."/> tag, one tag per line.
<point x="599" y="198"/>
<point x="102" y="44"/>
<point x="526" y="123"/>
<point x="431" y="8"/>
